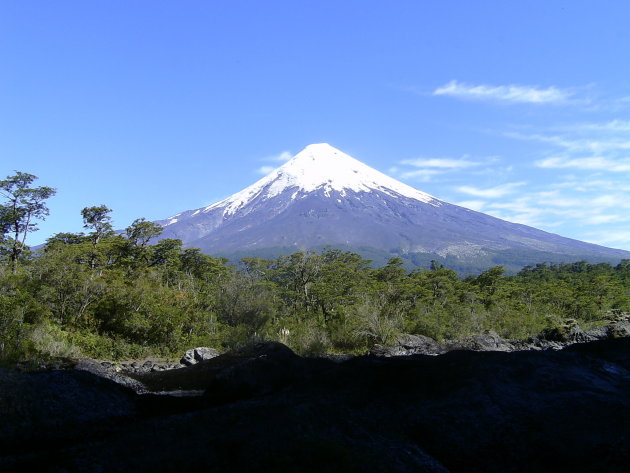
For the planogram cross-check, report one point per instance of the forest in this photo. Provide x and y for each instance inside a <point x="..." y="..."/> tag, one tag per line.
<point x="115" y="295"/>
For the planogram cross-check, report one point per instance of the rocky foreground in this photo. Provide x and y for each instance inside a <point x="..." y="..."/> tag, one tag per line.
<point x="263" y="408"/>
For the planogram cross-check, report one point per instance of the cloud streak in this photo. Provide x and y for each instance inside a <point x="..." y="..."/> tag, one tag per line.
<point x="265" y="170"/>
<point x="576" y="171"/>
<point x="505" y="93"/>
<point x="282" y="157"/>
<point x="424" y="169"/>
<point x="492" y="192"/>
<point x="552" y="209"/>
<point x="443" y="163"/>
<point x="610" y="126"/>
<point x="477" y="205"/>
<point x="423" y="175"/>
<point x="593" y="163"/>
<point x="576" y="144"/>
<point x="616" y="238"/>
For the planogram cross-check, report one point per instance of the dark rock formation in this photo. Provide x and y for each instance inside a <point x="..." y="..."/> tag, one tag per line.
<point x="567" y="333"/>
<point x="551" y="339"/>
<point x="263" y="408"/>
<point x="486" y="341"/>
<point x="195" y="355"/>
<point x="109" y="371"/>
<point x="42" y="413"/>
<point x="410" y="345"/>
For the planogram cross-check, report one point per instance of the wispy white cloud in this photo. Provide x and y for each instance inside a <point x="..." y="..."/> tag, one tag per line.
<point x="444" y="163"/>
<point x="265" y="169"/>
<point x="577" y="172"/>
<point x="523" y="204"/>
<point x="610" y="126"/>
<point x="615" y="201"/>
<point x="590" y="184"/>
<point x="425" y="169"/>
<point x="603" y="218"/>
<point x="477" y="205"/>
<point x="562" y="202"/>
<point x="613" y="238"/>
<point x="598" y="163"/>
<point x="280" y="157"/>
<point x="556" y="208"/>
<point x="575" y="143"/>
<point x="422" y="175"/>
<point x="597" y="154"/>
<point x="505" y="93"/>
<point x="530" y="218"/>
<point x="491" y="192"/>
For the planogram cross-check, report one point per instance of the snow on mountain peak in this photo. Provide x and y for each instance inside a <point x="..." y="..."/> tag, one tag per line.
<point x="321" y="166"/>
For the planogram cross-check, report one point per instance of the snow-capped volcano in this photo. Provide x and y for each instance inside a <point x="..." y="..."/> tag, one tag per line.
<point x="320" y="167"/>
<point x="324" y="197"/>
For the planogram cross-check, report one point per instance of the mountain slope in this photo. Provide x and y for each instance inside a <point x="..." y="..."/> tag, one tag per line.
<point x="323" y="197"/>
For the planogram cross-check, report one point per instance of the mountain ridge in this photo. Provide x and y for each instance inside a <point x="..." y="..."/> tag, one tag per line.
<point x="324" y="197"/>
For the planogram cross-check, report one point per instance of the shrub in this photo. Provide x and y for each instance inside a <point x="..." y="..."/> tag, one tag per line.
<point x="50" y="341"/>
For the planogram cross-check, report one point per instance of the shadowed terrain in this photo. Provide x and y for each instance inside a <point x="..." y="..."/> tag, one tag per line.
<point x="263" y="408"/>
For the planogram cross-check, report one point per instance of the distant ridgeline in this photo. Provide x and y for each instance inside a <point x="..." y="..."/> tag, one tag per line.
<point x="512" y="261"/>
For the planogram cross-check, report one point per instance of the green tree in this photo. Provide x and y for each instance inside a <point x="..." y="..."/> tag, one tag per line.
<point x="296" y="274"/>
<point x="242" y="301"/>
<point x="64" y="238"/>
<point x="24" y="204"/>
<point x="141" y="231"/>
<point x="65" y="284"/>
<point x="135" y="248"/>
<point x="488" y="282"/>
<point x="98" y="219"/>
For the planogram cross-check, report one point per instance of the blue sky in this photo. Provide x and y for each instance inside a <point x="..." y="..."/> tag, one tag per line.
<point x="517" y="109"/>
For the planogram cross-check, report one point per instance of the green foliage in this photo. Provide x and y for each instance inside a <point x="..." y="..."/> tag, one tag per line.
<point x="119" y="296"/>
<point x="127" y="298"/>
<point x="305" y="338"/>
<point x="377" y="321"/>
<point x="141" y="231"/>
<point x="18" y="214"/>
<point x="108" y="347"/>
<point x="98" y="219"/>
<point x="49" y="341"/>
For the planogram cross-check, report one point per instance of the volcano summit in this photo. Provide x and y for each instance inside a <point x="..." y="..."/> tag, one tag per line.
<point x="324" y="197"/>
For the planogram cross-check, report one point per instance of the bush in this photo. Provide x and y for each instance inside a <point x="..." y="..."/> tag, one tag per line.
<point x="309" y="340"/>
<point x="304" y="338"/>
<point x="98" y="346"/>
<point x="376" y="322"/>
<point x="49" y="341"/>
<point x="239" y="336"/>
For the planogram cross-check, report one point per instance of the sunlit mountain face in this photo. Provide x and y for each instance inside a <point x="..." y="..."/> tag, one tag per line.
<point x="324" y="197"/>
